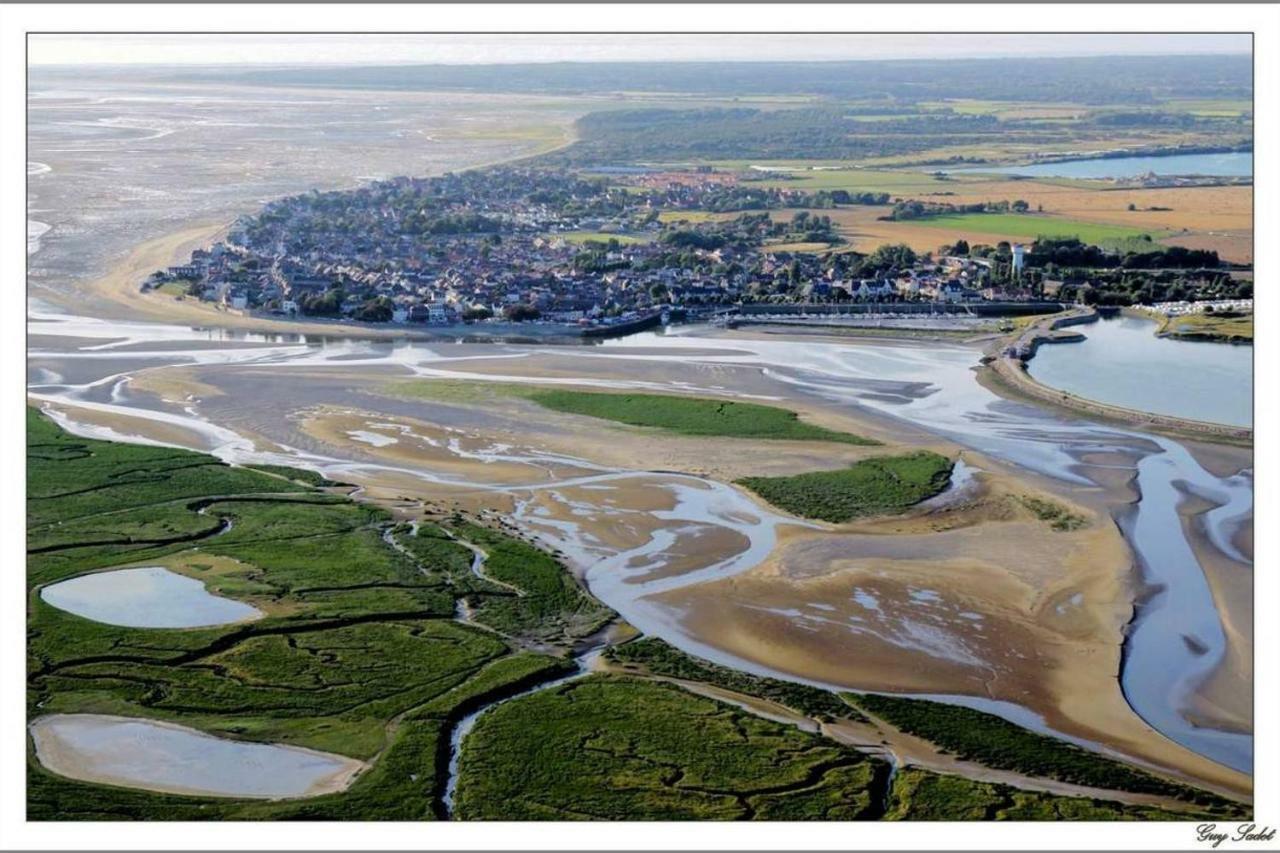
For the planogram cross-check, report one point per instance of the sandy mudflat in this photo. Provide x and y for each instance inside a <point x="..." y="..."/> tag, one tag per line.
<point x="1225" y="699"/>
<point x="114" y="426"/>
<point x="1003" y="609"/>
<point x="976" y="597"/>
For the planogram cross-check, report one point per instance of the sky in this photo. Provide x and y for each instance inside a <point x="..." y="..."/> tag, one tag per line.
<point x="346" y="49"/>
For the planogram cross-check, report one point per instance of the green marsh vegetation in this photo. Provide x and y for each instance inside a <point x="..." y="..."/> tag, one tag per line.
<point x="618" y="748"/>
<point x="359" y="652"/>
<point x="661" y="659"/>
<point x="692" y="415"/>
<point x="362" y="653"/>
<point x="884" y="484"/>
<point x="987" y="739"/>
<point x="1208" y="326"/>
<point x="521" y="591"/>
<point x="310" y="478"/>
<point x="1058" y="516"/>
<point x="921" y="795"/>
<point x="695" y="416"/>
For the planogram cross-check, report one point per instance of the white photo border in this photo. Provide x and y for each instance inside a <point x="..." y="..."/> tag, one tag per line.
<point x="16" y="21"/>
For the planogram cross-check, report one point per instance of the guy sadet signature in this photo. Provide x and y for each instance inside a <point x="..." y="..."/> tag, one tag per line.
<point x="1212" y="834"/>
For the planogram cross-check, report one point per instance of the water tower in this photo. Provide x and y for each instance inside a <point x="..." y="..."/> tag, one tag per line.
<point x="1017" y="259"/>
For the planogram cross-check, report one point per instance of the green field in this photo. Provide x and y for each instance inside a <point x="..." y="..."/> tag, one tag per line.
<point x="1210" y="107"/>
<point x="580" y="237"/>
<point x="874" y="486"/>
<point x="1031" y="226"/>
<point x="695" y="216"/>
<point x="173" y="288"/>
<point x="810" y="248"/>
<point x="990" y="740"/>
<point x="692" y="415"/>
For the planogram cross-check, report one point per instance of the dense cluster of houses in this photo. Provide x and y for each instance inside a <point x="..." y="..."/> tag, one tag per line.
<point x="449" y="250"/>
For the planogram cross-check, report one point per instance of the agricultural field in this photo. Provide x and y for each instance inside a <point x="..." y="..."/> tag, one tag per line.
<point x="1210" y="107"/>
<point x="789" y="248"/>
<point x="692" y="415"/>
<point x="1030" y="226"/>
<point x="1234" y="246"/>
<point x="880" y="485"/>
<point x="1216" y="218"/>
<point x="695" y="216"/>
<point x="580" y="237"/>
<point x="812" y="176"/>
<point x="1213" y="217"/>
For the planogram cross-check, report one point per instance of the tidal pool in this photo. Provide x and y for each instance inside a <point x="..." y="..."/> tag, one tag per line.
<point x="1122" y="362"/>
<point x="157" y="756"/>
<point x="148" y="597"/>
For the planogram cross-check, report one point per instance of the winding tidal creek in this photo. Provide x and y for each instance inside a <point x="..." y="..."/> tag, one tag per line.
<point x="1174" y="641"/>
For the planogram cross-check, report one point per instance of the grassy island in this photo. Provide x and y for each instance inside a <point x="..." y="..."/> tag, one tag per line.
<point x="693" y="415"/>
<point x="884" y="484"/>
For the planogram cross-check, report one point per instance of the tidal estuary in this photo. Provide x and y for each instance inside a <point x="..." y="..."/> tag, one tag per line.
<point x="1013" y="622"/>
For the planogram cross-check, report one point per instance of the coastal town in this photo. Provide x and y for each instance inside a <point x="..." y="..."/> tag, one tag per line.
<point x="623" y="249"/>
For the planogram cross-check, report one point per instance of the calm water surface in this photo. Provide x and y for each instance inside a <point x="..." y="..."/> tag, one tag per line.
<point x="149" y="597"/>
<point x="160" y="756"/>
<point x="1234" y="164"/>
<point x="1122" y="362"/>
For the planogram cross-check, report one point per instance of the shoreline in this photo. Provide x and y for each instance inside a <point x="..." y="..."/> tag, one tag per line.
<point x="1005" y="372"/>
<point x="1164" y="322"/>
